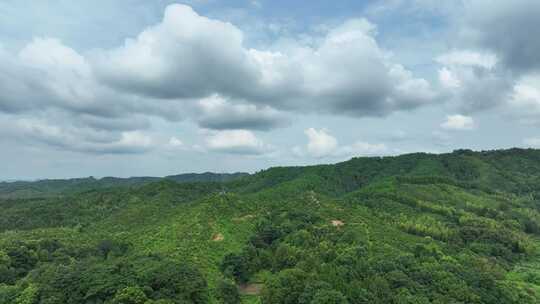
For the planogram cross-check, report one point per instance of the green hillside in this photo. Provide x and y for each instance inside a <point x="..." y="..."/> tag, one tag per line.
<point x="56" y="187"/>
<point x="462" y="227"/>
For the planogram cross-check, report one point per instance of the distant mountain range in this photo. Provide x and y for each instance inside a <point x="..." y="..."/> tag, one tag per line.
<point x="50" y="187"/>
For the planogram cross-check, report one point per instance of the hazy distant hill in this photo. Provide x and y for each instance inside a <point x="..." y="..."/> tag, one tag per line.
<point x="51" y="187"/>
<point x="461" y="227"/>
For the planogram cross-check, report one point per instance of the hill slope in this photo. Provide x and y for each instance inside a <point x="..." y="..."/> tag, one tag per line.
<point x="55" y="187"/>
<point x="419" y="228"/>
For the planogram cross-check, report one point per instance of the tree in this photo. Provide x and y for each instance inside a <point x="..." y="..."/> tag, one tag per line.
<point x="22" y="259"/>
<point x="236" y="266"/>
<point x="284" y="257"/>
<point x="227" y="292"/>
<point x="28" y="295"/>
<point x="107" y="247"/>
<point x="286" y="288"/>
<point x="130" y="295"/>
<point x="311" y="290"/>
<point x="172" y="280"/>
<point x="329" y="297"/>
<point x="8" y="293"/>
<point x="7" y="273"/>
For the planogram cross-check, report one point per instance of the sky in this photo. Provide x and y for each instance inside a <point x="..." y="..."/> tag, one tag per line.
<point x="152" y="88"/>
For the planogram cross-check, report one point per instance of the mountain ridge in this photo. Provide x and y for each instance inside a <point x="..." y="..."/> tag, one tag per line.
<point x="51" y="187"/>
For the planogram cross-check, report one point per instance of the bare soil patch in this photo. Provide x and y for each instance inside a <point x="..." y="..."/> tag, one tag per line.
<point x="337" y="223"/>
<point x="218" y="237"/>
<point x="250" y="289"/>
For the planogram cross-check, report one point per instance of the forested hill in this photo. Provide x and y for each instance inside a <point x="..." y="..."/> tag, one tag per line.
<point x="462" y="227"/>
<point x="52" y="187"/>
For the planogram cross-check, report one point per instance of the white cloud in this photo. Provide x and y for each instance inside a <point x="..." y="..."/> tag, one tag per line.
<point x="48" y="69"/>
<point x="236" y="142"/>
<point x="175" y="143"/>
<point x="468" y="58"/>
<point x="45" y="74"/>
<point x="216" y="112"/>
<point x="85" y="140"/>
<point x="135" y="139"/>
<point x="527" y="93"/>
<point x="524" y="103"/>
<point x="320" y="143"/>
<point x="458" y="122"/>
<point x="472" y="80"/>
<point x="184" y="56"/>
<point x="189" y="65"/>
<point x="448" y="79"/>
<point x="361" y="148"/>
<point x="344" y="72"/>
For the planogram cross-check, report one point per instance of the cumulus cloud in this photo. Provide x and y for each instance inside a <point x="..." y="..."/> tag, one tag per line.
<point x="46" y="74"/>
<point x="473" y="80"/>
<point x="50" y="91"/>
<point x="524" y="103"/>
<point x="236" y="142"/>
<point x="458" y="122"/>
<point x="495" y="59"/>
<point x="493" y="51"/>
<point x="527" y="91"/>
<point x="188" y="65"/>
<point x="348" y="73"/>
<point x="84" y="140"/>
<point x="322" y="144"/>
<point x="218" y="113"/>
<point x="183" y="56"/>
<point x="476" y="81"/>
<point x="506" y="28"/>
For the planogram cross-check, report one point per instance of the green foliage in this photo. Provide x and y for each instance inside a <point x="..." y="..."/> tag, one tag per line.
<point x="9" y="293"/>
<point x="130" y="295"/>
<point x="461" y="227"/>
<point x="29" y="295"/>
<point x="171" y="280"/>
<point x="54" y="187"/>
<point x="329" y="297"/>
<point x="286" y="288"/>
<point x="235" y="266"/>
<point x="227" y="292"/>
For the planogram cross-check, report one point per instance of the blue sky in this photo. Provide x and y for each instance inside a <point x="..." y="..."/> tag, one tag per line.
<point x="134" y="87"/>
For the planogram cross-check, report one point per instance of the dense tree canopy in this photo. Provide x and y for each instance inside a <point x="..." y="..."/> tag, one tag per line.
<point x="419" y="228"/>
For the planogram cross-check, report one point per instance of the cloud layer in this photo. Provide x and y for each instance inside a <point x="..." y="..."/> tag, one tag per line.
<point x="187" y="82"/>
<point x="191" y="66"/>
<point x="191" y="56"/>
<point x="236" y="142"/>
